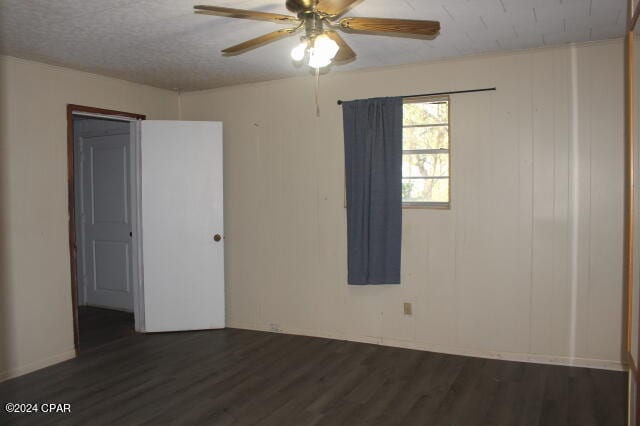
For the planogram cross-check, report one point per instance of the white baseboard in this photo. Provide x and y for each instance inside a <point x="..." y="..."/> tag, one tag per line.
<point x="568" y="361"/>
<point x="37" y="365"/>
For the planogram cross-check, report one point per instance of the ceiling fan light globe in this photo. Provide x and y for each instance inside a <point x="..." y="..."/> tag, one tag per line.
<point x="318" y="58"/>
<point x="326" y="46"/>
<point x="298" y="52"/>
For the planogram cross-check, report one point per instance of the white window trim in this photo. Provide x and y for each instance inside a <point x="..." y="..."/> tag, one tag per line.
<point x="441" y="205"/>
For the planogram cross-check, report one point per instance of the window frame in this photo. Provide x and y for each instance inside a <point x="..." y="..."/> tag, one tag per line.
<point x="438" y="205"/>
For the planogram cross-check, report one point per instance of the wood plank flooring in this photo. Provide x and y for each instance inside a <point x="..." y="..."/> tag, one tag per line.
<point x="99" y="326"/>
<point x="239" y="377"/>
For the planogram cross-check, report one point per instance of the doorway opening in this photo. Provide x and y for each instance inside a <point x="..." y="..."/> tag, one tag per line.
<point x="102" y="212"/>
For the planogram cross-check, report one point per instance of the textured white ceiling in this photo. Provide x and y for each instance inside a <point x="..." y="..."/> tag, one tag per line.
<point x="164" y="44"/>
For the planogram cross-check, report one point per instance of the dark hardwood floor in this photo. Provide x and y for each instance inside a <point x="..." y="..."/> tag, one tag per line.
<point x="99" y="326"/>
<point x="237" y="377"/>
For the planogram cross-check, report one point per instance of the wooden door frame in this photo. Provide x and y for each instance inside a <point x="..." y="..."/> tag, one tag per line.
<point x="630" y="195"/>
<point x="71" y="109"/>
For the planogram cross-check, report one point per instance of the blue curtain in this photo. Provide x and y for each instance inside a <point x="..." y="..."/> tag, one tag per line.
<point x="373" y="162"/>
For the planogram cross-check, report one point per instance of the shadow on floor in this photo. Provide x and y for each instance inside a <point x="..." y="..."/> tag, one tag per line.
<point x="99" y="326"/>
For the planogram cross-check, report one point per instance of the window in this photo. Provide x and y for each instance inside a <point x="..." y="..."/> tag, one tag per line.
<point x="425" y="153"/>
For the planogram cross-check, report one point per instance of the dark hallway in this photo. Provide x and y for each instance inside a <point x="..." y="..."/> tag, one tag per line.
<point x="99" y="326"/>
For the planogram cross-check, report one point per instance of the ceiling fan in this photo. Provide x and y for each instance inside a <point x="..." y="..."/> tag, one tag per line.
<point x="321" y="44"/>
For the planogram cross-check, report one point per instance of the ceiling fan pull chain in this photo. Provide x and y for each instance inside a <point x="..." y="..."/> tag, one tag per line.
<point x="317" y="91"/>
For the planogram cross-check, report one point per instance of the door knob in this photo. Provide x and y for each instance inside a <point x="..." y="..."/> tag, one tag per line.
<point x="217" y="237"/>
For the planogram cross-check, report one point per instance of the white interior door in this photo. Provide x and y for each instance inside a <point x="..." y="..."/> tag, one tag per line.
<point x="181" y="218"/>
<point x="103" y="213"/>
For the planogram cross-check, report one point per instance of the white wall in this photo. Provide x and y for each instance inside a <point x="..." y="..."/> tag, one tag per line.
<point x="526" y="265"/>
<point x="36" y="325"/>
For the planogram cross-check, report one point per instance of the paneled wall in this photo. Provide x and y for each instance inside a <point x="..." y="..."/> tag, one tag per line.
<point x="527" y="263"/>
<point x="36" y="323"/>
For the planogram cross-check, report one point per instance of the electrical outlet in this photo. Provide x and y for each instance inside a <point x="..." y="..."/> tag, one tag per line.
<point x="407" y="308"/>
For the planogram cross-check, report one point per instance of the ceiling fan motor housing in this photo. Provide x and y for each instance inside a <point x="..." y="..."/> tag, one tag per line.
<point x="297" y="6"/>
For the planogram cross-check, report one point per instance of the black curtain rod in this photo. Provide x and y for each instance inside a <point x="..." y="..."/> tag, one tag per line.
<point x="489" y="89"/>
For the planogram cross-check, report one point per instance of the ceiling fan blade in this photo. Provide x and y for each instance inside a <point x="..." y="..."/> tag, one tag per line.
<point x="335" y="8"/>
<point x="245" y="14"/>
<point x="405" y="27"/>
<point x="259" y="41"/>
<point x="345" y="53"/>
